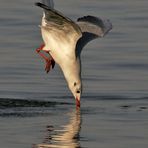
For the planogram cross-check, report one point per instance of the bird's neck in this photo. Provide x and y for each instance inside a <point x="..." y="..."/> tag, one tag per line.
<point x="72" y="71"/>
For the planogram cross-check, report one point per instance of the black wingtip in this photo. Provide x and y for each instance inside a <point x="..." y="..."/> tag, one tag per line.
<point x="42" y="5"/>
<point x="37" y="4"/>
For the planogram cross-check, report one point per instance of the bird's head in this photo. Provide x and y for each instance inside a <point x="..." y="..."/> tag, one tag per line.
<point x="76" y="89"/>
<point x="72" y="73"/>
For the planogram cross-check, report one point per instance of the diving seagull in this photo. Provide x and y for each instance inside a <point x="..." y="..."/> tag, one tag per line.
<point x="64" y="40"/>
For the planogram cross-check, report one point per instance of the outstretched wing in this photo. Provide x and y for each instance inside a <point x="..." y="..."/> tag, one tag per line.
<point x="92" y="28"/>
<point x="59" y="25"/>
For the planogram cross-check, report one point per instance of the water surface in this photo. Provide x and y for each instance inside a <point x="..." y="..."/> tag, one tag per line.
<point x="37" y="110"/>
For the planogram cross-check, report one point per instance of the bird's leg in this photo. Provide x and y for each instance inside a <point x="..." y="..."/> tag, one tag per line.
<point x="38" y="50"/>
<point x="48" y="60"/>
<point x="50" y="63"/>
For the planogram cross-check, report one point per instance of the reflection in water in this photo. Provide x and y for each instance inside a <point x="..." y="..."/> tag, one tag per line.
<point x="67" y="137"/>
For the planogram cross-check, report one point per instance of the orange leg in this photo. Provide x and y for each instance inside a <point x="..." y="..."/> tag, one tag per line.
<point x="48" y="60"/>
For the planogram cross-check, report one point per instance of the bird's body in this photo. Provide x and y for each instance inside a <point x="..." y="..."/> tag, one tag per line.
<point x="64" y="40"/>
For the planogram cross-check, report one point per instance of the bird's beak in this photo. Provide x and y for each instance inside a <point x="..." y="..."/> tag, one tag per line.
<point x="78" y="102"/>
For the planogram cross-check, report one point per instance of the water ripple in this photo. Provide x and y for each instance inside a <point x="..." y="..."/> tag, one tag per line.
<point x="27" y="108"/>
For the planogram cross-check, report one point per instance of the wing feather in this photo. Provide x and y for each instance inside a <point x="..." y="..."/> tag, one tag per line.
<point x="94" y="25"/>
<point x="60" y="28"/>
<point x="53" y="17"/>
<point x="92" y="28"/>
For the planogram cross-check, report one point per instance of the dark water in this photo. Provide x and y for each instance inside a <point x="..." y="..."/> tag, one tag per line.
<point x="38" y="111"/>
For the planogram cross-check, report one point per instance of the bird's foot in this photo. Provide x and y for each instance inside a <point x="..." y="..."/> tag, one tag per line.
<point x="50" y="63"/>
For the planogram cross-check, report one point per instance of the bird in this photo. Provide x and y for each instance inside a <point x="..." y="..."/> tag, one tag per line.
<point x="64" y="40"/>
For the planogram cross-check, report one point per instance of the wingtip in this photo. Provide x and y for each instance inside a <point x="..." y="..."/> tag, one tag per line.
<point x="41" y="5"/>
<point x="37" y="3"/>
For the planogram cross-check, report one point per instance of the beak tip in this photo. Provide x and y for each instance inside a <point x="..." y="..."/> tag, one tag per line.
<point x="77" y="103"/>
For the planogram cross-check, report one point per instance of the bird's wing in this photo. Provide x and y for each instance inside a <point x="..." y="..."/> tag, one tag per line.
<point x="92" y="28"/>
<point x="49" y="3"/>
<point x="61" y="25"/>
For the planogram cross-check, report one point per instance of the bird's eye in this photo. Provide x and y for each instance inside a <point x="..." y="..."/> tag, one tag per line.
<point x="78" y="91"/>
<point x="75" y="84"/>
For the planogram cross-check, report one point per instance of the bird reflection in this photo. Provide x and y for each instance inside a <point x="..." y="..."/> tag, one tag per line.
<point x="67" y="137"/>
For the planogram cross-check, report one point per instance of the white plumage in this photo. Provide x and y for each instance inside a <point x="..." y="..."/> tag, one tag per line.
<point x="64" y="40"/>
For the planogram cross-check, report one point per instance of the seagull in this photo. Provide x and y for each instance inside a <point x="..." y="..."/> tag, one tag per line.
<point x="64" y="40"/>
